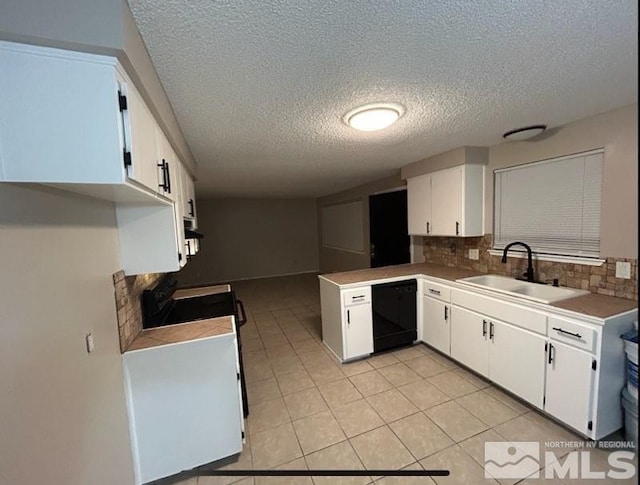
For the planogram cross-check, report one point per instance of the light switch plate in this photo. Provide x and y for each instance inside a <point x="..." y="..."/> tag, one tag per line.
<point x="623" y="269"/>
<point x="474" y="254"/>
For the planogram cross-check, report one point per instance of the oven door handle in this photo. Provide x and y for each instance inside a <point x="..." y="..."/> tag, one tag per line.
<point x="240" y="307"/>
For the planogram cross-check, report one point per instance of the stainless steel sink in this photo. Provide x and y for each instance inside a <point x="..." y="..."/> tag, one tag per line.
<point x="522" y="289"/>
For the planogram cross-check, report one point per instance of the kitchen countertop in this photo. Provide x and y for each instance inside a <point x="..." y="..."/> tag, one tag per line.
<point x="182" y="332"/>
<point x="428" y="269"/>
<point x="179" y="294"/>
<point x="599" y="306"/>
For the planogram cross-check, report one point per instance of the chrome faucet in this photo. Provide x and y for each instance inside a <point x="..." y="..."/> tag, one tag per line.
<point x="529" y="273"/>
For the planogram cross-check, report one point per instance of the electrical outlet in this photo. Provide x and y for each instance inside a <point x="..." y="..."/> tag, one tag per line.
<point x="623" y="269"/>
<point x="474" y="254"/>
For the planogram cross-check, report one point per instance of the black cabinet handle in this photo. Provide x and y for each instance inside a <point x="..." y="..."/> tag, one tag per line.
<point x="188" y="244"/>
<point x="484" y="328"/>
<point x="491" y="330"/>
<point x="558" y="329"/>
<point x="428" y="228"/>
<point x="164" y="186"/>
<point x="446" y="312"/>
<point x="168" y="178"/>
<point x="550" y="353"/>
<point x="348" y="317"/>
<point x="191" y="209"/>
<point x="457" y="228"/>
<point x="435" y="292"/>
<point x="240" y="306"/>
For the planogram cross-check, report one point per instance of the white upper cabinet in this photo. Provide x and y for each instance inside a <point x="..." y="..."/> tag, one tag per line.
<point x="140" y="150"/>
<point x="187" y="196"/>
<point x="60" y="120"/>
<point x="189" y="192"/>
<point x="168" y="168"/>
<point x="419" y="204"/>
<point x="76" y="121"/>
<point x="447" y="202"/>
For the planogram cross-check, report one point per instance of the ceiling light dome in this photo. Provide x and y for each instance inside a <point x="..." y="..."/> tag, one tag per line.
<point x="373" y="117"/>
<point x="524" y="133"/>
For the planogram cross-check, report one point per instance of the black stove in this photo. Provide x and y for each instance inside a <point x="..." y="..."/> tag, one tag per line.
<point x="159" y="308"/>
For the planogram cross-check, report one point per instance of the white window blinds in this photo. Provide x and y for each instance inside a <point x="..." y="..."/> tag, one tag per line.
<point x="553" y="205"/>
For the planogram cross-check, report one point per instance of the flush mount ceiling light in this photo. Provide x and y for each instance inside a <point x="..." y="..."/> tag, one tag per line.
<point x="525" y="133"/>
<point x="373" y="117"/>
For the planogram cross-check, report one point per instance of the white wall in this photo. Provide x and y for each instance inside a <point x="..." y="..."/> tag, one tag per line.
<point x="617" y="132"/>
<point x="334" y="259"/>
<point x="62" y="411"/>
<point x="253" y="238"/>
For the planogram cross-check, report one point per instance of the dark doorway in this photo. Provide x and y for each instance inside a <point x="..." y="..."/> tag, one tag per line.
<point x="388" y="229"/>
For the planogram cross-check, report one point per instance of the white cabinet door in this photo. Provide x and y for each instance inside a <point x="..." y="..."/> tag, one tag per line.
<point x="570" y="380"/>
<point x="189" y="193"/>
<point x="142" y="136"/>
<point x="470" y="339"/>
<point x="168" y="167"/>
<point x="59" y="117"/>
<point x="516" y="361"/>
<point x="435" y="324"/>
<point x="419" y="204"/>
<point x="446" y="202"/>
<point x="184" y="405"/>
<point x="358" y="327"/>
<point x="190" y="197"/>
<point x="148" y="238"/>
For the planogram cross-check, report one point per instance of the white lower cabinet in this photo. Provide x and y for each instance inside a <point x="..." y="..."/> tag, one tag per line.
<point x="184" y="405"/>
<point x="435" y="324"/>
<point x="358" y="333"/>
<point x="516" y="361"/>
<point x="570" y="378"/>
<point x="347" y="320"/>
<point x="571" y="368"/>
<point x="508" y="355"/>
<point x="470" y="339"/>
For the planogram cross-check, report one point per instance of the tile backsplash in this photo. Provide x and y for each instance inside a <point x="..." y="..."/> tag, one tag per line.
<point x="128" y="290"/>
<point x="454" y="251"/>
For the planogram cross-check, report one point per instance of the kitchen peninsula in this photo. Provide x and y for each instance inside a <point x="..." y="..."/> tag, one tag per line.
<point x="563" y="357"/>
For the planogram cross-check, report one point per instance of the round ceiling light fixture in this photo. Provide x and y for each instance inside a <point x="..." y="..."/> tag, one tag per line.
<point x="373" y="117"/>
<point x="524" y="133"/>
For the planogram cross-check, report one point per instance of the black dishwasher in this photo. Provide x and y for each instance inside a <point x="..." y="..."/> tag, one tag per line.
<point x="394" y="314"/>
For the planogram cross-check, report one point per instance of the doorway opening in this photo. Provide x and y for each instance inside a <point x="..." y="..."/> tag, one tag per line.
<point x="388" y="231"/>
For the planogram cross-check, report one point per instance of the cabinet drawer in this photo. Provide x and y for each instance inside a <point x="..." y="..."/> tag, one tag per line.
<point x="500" y="310"/>
<point x="436" y="290"/>
<point x="572" y="333"/>
<point x="356" y="296"/>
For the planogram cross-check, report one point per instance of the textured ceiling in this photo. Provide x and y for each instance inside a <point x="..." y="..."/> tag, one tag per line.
<point x="260" y="87"/>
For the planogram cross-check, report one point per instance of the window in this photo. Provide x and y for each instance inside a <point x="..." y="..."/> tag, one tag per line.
<point x="552" y="205"/>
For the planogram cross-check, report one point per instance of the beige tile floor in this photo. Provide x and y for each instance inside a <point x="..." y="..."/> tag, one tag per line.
<point x="410" y="408"/>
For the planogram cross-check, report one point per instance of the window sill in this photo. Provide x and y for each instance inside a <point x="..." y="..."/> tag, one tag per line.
<point x="556" y="258"/>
